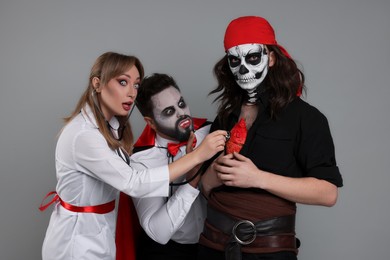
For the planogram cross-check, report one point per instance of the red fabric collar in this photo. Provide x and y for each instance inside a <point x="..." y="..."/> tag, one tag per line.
<point x="173" y="148"/>
<point x="148" y="135"/>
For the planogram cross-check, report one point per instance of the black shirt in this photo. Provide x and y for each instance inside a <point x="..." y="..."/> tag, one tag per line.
<point x="296" y="144"/>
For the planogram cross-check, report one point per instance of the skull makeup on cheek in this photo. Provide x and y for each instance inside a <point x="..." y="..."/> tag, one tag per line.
<point x="249" y="65"/>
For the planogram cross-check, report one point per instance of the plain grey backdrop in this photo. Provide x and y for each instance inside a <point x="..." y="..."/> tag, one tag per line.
<point x="47" y="49"/>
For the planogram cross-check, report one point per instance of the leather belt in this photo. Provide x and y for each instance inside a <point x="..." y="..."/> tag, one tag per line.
<point x="270" y="235"/>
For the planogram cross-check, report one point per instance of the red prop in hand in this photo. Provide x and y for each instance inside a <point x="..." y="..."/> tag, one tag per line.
<point x="237" y="137"/>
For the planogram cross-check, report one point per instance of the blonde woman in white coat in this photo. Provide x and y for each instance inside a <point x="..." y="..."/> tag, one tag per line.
<point x="92" y="163"/>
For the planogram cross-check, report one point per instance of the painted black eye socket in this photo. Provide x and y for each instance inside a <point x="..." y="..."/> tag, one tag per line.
<point x="234" y="61"/>
<point x="182" y="103"/>
<point x="253" y="58"/>
<point x="169" y="111"/>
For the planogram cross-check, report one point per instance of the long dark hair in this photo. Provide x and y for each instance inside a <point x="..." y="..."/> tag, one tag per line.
<point x="283" y="82"/>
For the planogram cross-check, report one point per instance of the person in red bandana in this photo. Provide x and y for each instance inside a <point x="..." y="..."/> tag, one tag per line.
<point x="92" y="164"/>
<point x="171" y="224"/>
<point x="280" y="150"/>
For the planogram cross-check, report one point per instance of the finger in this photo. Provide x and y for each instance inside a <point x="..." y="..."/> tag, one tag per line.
<point x="222" y="160"/>
<point x="224" y="177"/>
<point x="220" y="134"/>
<point x="239" y="156"/>
<point x="228" y="156"/>
<point x="221" y="143"/>
<point x="228" y="183"/>
<point x="223" y="169"/>
<point x="229" y="163"/>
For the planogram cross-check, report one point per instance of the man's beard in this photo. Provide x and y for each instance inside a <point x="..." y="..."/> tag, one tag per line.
<point x="179" y="132"/>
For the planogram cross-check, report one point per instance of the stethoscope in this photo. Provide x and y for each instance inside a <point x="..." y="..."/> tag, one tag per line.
<point x="122" y="153"/>
<point x="121" y="129"/>
<point x="202" y="168"/>
<point x="125" y="157"/>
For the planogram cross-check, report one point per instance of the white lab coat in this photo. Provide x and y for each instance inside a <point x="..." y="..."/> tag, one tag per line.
<point x="89" y="173"/>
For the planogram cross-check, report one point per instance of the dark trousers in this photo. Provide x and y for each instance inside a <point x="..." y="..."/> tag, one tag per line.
<point x="148" y="249"/>
<point x="208" y="253"/>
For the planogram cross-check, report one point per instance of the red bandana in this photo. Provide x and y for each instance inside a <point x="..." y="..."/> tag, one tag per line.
<point x="252" y="29"/>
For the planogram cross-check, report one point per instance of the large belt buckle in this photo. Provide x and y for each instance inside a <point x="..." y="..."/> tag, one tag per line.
<point x="251" y="225"/>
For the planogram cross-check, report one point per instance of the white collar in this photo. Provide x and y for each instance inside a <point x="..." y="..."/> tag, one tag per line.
<point x="163" y="142"/>
<point x="89" y="117"/>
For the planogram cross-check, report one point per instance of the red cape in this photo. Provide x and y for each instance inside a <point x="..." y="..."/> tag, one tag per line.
<point x="128" y="227"/>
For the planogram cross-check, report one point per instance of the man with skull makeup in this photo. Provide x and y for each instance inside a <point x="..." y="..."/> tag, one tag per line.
<point x="172" y="224"/>
<point x="286" y="151"/>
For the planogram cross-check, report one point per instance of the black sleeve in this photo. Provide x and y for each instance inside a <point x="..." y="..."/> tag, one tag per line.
<point x="316" y="152"/>
<point x="215" y="125"/>
<point x="206" y="164"/>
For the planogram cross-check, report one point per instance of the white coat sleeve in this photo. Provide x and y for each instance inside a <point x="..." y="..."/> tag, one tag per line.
<point x="94" y="157"/>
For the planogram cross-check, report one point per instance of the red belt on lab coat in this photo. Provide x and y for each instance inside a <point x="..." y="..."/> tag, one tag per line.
<point x="99" y="209"/>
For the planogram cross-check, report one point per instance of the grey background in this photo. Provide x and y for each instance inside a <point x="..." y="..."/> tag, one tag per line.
<point x="48" y="47"/>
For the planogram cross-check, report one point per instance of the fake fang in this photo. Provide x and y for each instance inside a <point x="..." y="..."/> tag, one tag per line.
<point x="185" y="123"/>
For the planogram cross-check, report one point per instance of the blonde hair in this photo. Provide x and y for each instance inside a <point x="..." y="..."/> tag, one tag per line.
<point x="106" y="67"/>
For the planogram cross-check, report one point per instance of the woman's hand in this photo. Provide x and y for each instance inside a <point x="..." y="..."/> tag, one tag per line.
<point x="237" y="170"/>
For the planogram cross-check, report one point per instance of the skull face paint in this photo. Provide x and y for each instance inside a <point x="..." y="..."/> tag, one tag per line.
<point x="172" y="116"/>
<point x="249" y="65"/>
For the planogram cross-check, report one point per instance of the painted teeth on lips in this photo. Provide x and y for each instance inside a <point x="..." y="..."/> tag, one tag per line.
<point x="247" y="79"/>
<point x="185" y="123"/>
